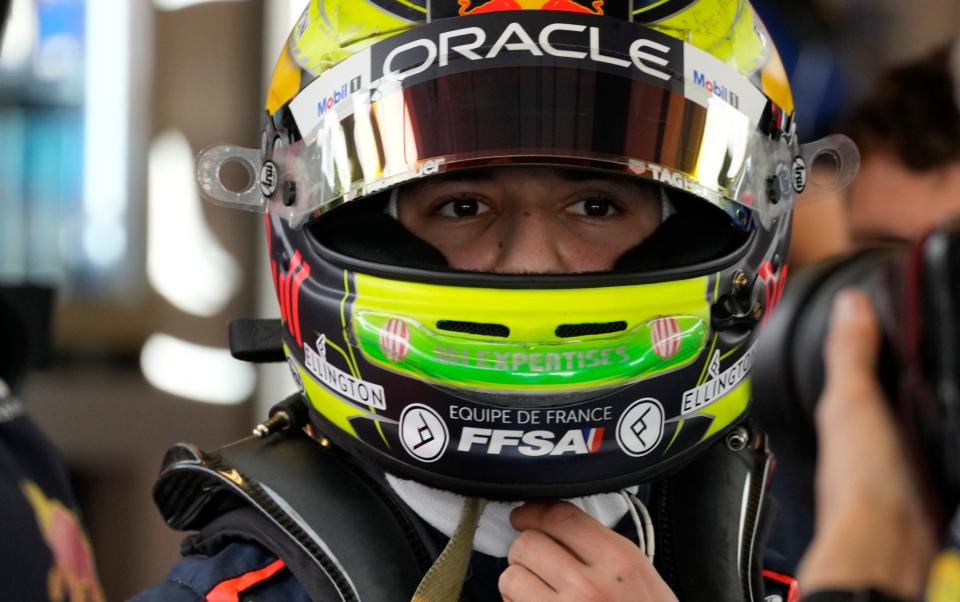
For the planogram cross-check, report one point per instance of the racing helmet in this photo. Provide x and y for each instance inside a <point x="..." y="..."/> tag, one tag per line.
<point x="533" y="385"/>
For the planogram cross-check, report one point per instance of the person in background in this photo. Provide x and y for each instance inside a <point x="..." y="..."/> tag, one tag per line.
<point x="908" y="133"/>
<point x="872" y="530"/>
<point x="872" y="533"/>
<point x="45" y="554"/>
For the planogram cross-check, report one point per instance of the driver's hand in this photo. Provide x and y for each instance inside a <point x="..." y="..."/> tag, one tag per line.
<point x="871" y="530"/>
<point x="563" y="553"/>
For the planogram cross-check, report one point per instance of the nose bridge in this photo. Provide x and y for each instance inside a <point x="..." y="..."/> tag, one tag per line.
<point x="530" y="243"/>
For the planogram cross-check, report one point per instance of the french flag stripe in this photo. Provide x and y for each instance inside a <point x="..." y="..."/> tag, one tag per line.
<point x="595" y="439"/>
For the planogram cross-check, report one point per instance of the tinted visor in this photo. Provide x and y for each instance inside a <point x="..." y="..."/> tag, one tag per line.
<point x="528" y="90"/>
<point x="526" y="115"/>
<point x="567" y="115"/>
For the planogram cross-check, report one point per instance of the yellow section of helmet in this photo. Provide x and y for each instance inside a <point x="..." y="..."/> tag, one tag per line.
<point x="775" y="84"/>
<point x="731" y="31"/>
<point x="286" y="82"/>
<point x="524" y="310"/>
<point x="328" y="32"/>
<point x="333" y="408"/>
<point x="727" y="409"/>
<point x="943" y="584"/>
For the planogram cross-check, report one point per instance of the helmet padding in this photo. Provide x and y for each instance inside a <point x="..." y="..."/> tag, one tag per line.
<point x="364" y="230"/>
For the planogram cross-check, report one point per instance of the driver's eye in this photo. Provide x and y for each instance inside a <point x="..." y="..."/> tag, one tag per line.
<point x="462" y="207"/>
<point x="595" y="207"/>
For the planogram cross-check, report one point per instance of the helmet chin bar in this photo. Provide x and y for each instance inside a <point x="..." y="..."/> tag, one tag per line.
<point x="492" y="486"/>
<point x="566" y="449"/>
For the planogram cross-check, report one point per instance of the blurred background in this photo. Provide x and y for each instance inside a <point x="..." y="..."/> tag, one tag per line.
<point x="103" y="107"/>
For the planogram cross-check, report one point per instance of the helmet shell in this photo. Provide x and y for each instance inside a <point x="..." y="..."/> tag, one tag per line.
<point x="541" y="386"/>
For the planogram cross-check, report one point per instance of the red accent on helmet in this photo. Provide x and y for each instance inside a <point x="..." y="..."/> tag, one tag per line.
<point x="287" y="285"/>
<point x="773" y="284"/>
<point x="494" y="6"/>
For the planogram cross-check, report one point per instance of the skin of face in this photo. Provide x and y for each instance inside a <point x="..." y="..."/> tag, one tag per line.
<point x="889" y="201"/>
<point x="820" y="228"/>
<point x="531" y="220"/>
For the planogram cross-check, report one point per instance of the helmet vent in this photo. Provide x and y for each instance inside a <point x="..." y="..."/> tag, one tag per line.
<point x="565" y="331"/>
<point x="487" y="330"/>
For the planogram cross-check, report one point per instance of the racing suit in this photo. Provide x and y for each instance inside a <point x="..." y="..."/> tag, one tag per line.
<point x="256" y="526"/>
<point x="44" y="553"/>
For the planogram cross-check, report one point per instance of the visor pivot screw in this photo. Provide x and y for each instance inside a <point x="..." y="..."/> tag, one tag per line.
<point x="289" y="194"/>
<point x="738" y="439"/>
<point x="741" y="217"/>
<point x="757" y="310"/>
<point x="773" y="189"/>
<point x="740" y="280"/>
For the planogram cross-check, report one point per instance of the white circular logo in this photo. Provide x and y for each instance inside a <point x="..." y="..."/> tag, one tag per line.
<point x="268" y="179"/>
<point x="640" y="427"/>
<point x="423" y="433"/>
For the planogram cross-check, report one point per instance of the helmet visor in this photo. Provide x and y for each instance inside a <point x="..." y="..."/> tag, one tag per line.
<point x="592" y="92"/>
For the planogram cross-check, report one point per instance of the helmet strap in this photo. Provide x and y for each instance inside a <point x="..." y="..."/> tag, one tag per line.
<point x="444" y="579"/>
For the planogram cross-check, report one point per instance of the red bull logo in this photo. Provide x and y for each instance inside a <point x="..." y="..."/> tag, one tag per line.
<point x="475" y="7"/>
<point x="72" y="575"/>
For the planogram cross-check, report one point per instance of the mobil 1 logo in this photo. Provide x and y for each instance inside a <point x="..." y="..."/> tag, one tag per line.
<point x="530" y="38"/>
<point x="423" y="433"/>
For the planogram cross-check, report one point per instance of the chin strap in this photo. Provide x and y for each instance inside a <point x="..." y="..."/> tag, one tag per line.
<point x="444" y="579"/>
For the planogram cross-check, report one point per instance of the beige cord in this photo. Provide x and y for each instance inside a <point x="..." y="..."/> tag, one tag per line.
<point x="444" y="579"/>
